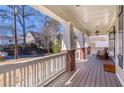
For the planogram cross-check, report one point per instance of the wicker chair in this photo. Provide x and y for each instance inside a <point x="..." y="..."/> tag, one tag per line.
<point x="103" y="54"/>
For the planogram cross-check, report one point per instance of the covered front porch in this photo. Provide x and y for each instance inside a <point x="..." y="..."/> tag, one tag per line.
<point x="75" y="65"/>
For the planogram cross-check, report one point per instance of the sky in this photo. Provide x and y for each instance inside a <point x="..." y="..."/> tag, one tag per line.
<point x="31" y="20"/>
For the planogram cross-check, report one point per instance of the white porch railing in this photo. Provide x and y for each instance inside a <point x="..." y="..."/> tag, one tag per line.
<point x="35" y="72"/>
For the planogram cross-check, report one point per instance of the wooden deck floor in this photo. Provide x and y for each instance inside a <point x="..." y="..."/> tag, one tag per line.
<point x="87" y="74"/>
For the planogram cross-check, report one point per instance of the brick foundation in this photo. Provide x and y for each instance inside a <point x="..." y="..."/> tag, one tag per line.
<point x="82" y="53"/>
<point x="70" y="65"/>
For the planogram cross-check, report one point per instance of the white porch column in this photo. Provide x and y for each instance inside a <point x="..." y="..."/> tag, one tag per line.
<point x="80" y="49"/>
<point x="68" y="45"/>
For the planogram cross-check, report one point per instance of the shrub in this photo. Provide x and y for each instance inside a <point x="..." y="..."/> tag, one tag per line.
<point x="33" y="46"/>
<point x="56" y="47"/>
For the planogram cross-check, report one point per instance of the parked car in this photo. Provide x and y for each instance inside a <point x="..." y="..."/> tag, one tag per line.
<point x="2" y="55"/>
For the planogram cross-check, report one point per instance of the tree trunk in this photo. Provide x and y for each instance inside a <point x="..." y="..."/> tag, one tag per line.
<point x="24" y="33"/>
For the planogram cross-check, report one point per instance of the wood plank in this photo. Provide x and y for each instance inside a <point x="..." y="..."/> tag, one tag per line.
<point x="83" y="81"/>
<point x="78" y="80"/>
<point x="108" y="82"/>
<point x="113" y="84"/>
<point x="93" y="80"/>
<point x="63" y="84"/>
<point x="117" y="81"/>
<point x="103" y="82"/>
<point x="91" y="61"/>
<point x="59" y="81"/>
<point x="90" y="74"/>
<point x="98" y="76"/>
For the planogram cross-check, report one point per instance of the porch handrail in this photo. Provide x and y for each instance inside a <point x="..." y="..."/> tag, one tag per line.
<point x="33" y="72"/>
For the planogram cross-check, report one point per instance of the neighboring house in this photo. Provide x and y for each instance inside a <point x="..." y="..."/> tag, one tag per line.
<point x="6" y="40"/>
<point x="32" y="37"/>
<point x="35" y="37"/>
<point x="20" y="39"/>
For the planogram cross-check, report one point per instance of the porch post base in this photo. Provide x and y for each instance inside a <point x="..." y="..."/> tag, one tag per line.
<point x="82" y="53"/>
<point x="70" y="65"/>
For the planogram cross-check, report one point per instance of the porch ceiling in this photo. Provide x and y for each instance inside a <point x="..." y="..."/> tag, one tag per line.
<point x="86" y="16"/>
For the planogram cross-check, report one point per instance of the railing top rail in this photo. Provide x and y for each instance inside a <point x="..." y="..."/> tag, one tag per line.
<point x="16" y="65"/>
<point x="37" y="58"/>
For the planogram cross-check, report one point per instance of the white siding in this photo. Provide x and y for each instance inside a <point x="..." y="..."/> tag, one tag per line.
<point x="30" y="38"/>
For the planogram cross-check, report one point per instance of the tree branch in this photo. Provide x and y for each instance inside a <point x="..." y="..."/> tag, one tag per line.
<point x="19" y="19"/>
<point x="30" y="14"/>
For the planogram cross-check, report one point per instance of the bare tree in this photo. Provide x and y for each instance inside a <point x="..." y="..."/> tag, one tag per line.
<point x="48" y="32"/>
<point x="22" y="15"/>
<point x="5" y="29"/>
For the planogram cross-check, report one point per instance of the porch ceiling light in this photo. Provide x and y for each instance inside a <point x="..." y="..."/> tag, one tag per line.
<point x="77" y="5"/>
<point x="97" y="31"/>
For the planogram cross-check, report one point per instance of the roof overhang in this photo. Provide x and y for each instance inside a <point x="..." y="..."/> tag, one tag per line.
<point x="83" y="17"/>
